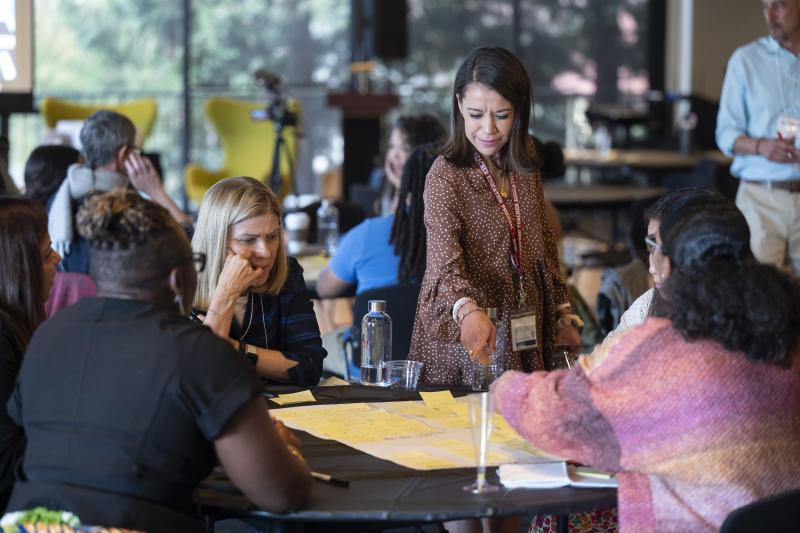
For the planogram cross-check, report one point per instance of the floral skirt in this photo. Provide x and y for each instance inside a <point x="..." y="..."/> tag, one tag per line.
<point x="602" y="521"/>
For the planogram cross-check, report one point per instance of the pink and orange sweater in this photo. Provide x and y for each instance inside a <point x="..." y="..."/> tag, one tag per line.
<point x="693" y="431"/>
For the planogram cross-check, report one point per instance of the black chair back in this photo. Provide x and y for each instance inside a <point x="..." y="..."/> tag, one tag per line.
<point x="777" y="514"/>
<point x="401" y="306"/>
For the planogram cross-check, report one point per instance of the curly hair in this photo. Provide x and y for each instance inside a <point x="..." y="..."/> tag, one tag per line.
<point x="408" y="233"/>
<point x="133" y="241"/>
<point x="718" y="291"/>
<point x="744" y="305"/>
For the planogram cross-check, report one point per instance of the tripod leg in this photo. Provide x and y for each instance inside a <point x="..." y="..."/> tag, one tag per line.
<point x="275" y="173"/>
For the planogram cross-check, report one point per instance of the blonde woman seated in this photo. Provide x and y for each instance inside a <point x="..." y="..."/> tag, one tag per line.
<point x="251" y="292"/>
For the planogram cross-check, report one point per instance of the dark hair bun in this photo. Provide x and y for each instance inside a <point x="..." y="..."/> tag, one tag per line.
<point x="120" y="219"/>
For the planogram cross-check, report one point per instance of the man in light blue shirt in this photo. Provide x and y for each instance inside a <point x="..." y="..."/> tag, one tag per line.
<point x="761" y="90"/>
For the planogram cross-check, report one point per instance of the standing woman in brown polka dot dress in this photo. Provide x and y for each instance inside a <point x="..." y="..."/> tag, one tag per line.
<point x="489" y="243"/>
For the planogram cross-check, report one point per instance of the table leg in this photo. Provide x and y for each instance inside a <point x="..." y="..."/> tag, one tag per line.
<point x="562" y="524"/>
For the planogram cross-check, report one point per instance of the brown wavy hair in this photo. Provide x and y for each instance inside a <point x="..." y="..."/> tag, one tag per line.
<point x="23" y="226"/>
<point x="499" y="70"/>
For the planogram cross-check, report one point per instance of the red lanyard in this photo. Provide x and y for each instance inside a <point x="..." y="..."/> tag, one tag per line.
<point x="515" y="230"/>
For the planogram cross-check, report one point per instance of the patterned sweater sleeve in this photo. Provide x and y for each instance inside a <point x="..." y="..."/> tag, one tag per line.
<point x="444" y="223"/>
<point x="555" y="412"/>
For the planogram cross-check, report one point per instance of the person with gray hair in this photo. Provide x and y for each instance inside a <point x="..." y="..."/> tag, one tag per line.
<point x="111" y="161"/>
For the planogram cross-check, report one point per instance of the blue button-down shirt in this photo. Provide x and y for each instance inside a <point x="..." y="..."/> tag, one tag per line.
<point x="761" y="83"/>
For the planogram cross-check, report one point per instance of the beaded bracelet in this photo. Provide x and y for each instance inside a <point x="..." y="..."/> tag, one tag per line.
<point x="468" y="312"/>
<point x="461" y="302"/>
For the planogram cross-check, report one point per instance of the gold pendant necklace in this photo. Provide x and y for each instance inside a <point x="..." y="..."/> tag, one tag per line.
<point x="501" y="182"/>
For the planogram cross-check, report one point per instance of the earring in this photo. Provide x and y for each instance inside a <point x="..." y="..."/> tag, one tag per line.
<point x="183" y="309"/>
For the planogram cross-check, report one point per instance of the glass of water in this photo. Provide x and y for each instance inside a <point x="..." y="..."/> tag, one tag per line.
<point x="481" y="411"/>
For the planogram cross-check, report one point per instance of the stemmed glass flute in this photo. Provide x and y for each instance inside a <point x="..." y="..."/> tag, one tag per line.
<point x="481" y="412"/>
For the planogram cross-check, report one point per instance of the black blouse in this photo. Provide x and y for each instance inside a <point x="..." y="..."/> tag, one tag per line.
<point x="12" y="438"/>
<point x="121" y="402"/>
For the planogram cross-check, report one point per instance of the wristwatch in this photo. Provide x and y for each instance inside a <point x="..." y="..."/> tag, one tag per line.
<point x="250" y="351"/>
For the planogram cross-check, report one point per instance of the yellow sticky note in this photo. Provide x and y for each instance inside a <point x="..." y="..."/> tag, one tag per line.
<point x="333" y="381"/>
<point x="296" y="397"/>
<point x="438" y="400"/>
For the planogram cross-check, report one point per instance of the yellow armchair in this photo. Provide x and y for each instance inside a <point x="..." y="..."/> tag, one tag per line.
<point x="248" y="146"/>
<point x="141" y="112"/>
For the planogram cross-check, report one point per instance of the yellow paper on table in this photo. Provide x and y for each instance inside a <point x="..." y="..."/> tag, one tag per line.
<point x="422" y="460"/>
<point x="438" y="400"/>
<point x="295" y="397"/>
<point x="333" y="381"/>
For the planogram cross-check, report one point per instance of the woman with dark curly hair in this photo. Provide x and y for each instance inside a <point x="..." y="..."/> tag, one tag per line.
<point x="127" y="405"/>
<point x="698" y="413"/>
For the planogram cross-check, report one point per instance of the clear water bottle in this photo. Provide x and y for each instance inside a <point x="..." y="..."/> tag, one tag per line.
<point x="376" y="343"/>
<point x="328" y="227"/>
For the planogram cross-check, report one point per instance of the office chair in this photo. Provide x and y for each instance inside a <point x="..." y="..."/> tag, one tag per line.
<point x="141" y="112"/>
<point x="401" y="306"/>
<point x="247" y="144"/>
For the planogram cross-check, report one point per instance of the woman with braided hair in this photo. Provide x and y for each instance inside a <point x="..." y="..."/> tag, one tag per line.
<point x="386" y="251"/>
<point x="132" y="409"/>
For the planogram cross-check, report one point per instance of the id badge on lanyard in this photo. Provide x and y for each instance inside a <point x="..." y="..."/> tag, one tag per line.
<point x="523" y="329"/>
<point x="523" y="320"/>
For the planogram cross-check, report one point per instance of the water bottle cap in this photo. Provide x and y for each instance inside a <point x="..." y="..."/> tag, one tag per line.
<point x="377" y="305"/>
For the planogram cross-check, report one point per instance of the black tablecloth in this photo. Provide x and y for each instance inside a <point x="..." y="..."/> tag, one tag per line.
<point x="384" y="491"/>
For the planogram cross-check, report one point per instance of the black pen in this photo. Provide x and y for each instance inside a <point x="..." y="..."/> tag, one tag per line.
<point x="327" y="478"/>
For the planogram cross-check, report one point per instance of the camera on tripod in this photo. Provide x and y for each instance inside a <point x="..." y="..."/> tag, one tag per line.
<point x="276" y="109"/>
<point x="281" y="116"/>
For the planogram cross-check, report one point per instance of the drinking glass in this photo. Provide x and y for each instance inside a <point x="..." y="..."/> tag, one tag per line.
<point x="481" y="411"/>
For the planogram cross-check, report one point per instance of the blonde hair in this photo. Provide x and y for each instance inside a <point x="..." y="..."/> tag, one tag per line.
<point x="226" y="203"/>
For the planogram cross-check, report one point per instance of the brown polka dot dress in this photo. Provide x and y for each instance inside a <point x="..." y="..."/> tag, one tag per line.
<point x="469" y="250"/>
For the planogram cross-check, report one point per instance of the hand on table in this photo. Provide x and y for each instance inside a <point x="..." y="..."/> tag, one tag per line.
<point x="478" y="335"/>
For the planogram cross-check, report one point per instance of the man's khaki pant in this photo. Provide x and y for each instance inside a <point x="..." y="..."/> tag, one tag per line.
<point x="773" y="216"/>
